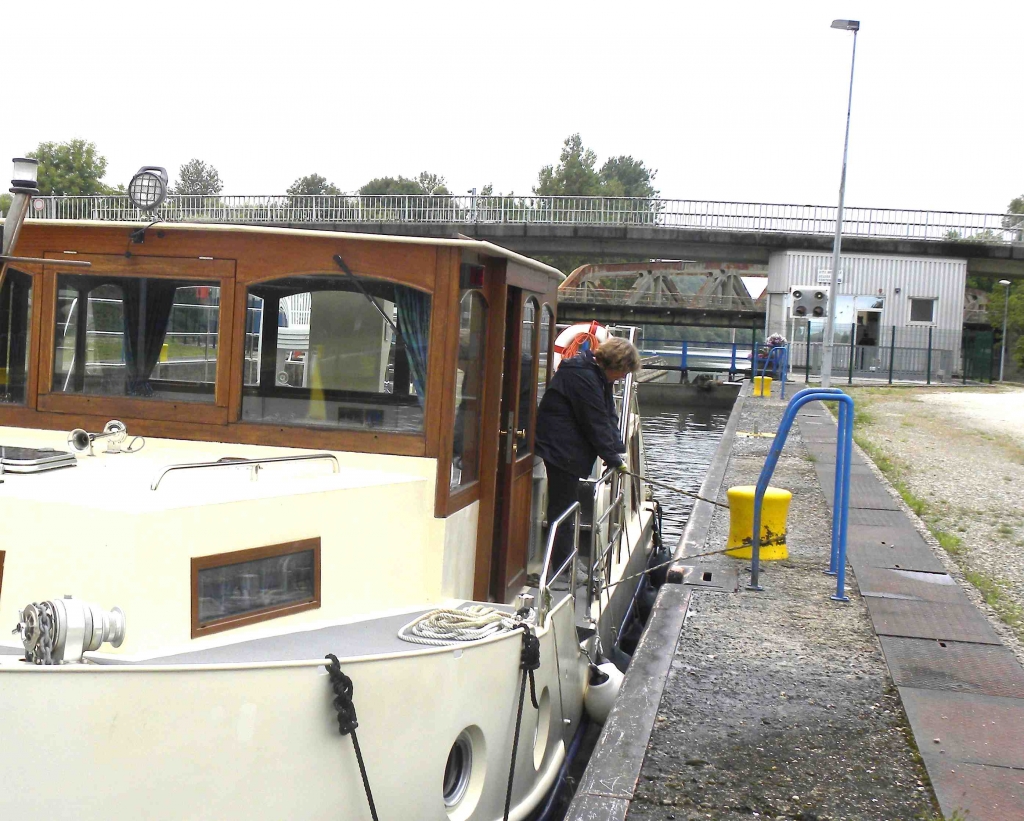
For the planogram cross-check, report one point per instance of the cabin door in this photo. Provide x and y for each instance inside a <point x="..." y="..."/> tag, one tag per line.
<point x="514" y="490"/>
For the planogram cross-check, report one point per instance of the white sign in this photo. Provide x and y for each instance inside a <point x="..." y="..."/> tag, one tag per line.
<point x="825" y="276"/>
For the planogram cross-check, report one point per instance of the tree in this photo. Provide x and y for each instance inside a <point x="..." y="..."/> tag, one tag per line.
<point x="487" y="190"/>
<point x="574" y="175"/>
<point x="198" y="178"/>
<point x="312" y="184"/>
<point x="432" y="183"/>
<point x="5" y="204"/>
<point x="1016" y="206"/>
<point x="623" y="176"/>
<point x="73" y="168"/>
<point x="425" y="183"/>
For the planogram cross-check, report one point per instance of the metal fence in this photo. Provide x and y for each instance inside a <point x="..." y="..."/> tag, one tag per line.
<point x="916" y="354"/>
<point x="609" y="211"/>
<point x="606" y="296"/>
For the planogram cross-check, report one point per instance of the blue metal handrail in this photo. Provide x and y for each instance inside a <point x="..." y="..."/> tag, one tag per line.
<point x="841" y="491"/>
<point x="783" y="366"/>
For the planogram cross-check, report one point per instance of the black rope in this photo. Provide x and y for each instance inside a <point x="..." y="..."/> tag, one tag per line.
<point x="529" y="660"/>
<point x="347" y="721"/>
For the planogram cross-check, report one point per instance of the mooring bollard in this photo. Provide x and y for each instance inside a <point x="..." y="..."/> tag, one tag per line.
<point x="762" y="386"/>
<point x="774" y="512"/>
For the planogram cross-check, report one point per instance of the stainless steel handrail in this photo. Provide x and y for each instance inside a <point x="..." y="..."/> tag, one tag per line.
<point x="544" y="585"/>
<point x="230" y="463"/>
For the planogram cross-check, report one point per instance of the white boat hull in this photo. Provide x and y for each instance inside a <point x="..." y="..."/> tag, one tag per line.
<point x="261" y="741"/>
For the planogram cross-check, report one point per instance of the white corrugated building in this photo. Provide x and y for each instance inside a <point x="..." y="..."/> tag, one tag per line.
<point x="876" y="293"/>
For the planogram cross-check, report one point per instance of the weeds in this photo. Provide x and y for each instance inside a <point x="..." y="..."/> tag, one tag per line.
<point x="993" y="591"/>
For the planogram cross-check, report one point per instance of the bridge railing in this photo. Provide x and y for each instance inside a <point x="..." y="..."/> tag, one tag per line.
<point x="597" y="211"/>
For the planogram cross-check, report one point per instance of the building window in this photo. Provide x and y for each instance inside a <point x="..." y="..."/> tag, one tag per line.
<point x="922" y="310"/>
<point x="15" y="310"/>
<point x="337" y="352"/>
<point x="136" y="337"/>
<point x="246" y="586"/>
<point x="469" y="383"/>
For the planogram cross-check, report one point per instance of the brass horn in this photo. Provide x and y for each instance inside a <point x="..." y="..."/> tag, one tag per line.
<point x="114" y="432"/>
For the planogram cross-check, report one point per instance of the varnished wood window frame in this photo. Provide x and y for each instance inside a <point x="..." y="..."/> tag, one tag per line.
<point x="253" y="554"/>
<point x="219" y="271"/>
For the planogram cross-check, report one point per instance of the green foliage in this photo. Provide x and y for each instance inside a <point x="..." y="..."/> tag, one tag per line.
<point x="576" y="175"/>
<point x="73" y="168"/>
<point x="487" y="190"/>
<point x="425" y="183"/>
<point x="625" y="177"/>
<point x="1016" y="206"/>
<point x="311" y="185"/>
<point x="5" y="203"/>
<point x="197" y="178"/>
<point x="1014" y="315"/>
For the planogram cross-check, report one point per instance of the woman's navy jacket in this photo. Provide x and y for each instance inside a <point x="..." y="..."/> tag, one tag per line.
<point x="576" y="421"/>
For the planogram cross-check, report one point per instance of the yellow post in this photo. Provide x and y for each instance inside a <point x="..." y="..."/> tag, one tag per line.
<point x="774" y="510"/>
<point x="164" y="352"/>
<point x="762" y="386"/>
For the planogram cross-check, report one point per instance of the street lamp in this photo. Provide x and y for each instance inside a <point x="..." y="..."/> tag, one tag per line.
<point x="1006" y="306"/>
<point x="830" y="323"/>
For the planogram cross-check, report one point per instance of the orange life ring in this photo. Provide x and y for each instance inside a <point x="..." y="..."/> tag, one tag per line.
<point x="569" y="341"/>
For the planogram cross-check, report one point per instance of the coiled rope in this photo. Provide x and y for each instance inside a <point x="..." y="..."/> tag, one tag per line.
<point x="347" y="721"/>
<point x="446" y="626"/>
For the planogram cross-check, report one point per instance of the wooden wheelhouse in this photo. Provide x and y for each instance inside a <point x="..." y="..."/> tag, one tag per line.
<point x="435" y="349"/>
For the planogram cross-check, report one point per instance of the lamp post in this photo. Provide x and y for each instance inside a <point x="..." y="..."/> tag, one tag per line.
<point x="23" y="186"/>
<point x="833" y="297"/>
<point x="1006" y="307"/>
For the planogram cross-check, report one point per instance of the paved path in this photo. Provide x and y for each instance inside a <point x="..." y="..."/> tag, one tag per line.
<point x="782" y="704"/>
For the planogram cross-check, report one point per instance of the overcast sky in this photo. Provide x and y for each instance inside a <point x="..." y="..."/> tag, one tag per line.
<point x="727" y="100"/>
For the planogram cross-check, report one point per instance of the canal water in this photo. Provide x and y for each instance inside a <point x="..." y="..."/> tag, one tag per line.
<point x="680" y="443"/>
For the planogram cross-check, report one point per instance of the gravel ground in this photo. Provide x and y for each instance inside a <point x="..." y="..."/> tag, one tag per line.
<point x="779" y="704"/>
<point x="961" y="455"/>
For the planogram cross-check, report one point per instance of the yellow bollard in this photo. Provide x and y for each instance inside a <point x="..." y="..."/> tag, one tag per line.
<point x="165" y="350"/>
<point x="774" y="510"/>
<point x="762" y="386"/>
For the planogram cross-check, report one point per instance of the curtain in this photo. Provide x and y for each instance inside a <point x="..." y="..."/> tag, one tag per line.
<point x="146" y="302"/>
<point x="414" y="323"/>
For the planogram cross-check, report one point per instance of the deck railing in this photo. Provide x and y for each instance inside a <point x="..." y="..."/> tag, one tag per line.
<point x="896" y="223"/>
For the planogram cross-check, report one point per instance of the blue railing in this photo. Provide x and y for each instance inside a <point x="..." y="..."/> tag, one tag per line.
<point x="777" y="355"/>
<point x="730" y="357"/>
<point x="841" y="491"/>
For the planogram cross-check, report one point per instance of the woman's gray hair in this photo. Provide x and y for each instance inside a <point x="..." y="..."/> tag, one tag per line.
<point x="618" y="354"/>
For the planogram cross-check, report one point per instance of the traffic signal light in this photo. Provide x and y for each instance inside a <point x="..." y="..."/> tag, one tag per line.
<point x="810" y="301"/>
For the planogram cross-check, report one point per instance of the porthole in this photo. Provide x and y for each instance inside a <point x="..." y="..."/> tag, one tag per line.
<point x="457" y="770"/>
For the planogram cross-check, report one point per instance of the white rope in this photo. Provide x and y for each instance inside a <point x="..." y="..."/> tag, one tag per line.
<point x="445" y="626"/>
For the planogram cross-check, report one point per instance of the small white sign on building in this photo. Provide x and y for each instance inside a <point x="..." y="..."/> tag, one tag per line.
<point x="825" y="276"/>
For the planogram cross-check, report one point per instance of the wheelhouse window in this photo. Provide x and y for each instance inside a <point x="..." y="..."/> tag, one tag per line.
<point x="469" y="389"/>
<point x="547" y="335"/>
<point x="15" y="310"/>
<point x="336" y="351"/>
<point x="527" y="357"/>
<point x="140" y="337"/>
<point x="232" y="589"/>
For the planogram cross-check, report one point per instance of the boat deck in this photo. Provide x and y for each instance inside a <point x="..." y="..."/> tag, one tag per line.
<point x="121" y="483"/>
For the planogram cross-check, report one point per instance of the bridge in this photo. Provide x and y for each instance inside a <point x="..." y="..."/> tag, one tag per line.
<point x="992" y="244"/>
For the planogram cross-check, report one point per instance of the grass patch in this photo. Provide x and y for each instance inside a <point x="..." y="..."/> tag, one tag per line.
<point x="952" y="544"/>
<point x="993" y="591"/>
